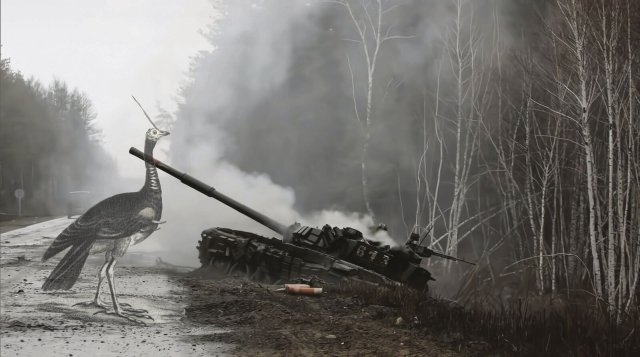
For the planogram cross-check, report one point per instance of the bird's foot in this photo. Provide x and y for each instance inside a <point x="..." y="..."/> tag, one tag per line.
<point x="93" y="303"/>
<point x="133" y="317"/>
<point x="127" y="307"/>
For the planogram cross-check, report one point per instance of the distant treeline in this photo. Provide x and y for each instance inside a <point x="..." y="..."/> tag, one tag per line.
<point x="49" y="145"/>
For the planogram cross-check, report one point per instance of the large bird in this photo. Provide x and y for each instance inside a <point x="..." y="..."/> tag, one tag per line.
<point x="110" y="226"/>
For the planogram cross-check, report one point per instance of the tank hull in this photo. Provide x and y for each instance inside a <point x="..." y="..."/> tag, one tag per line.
<point x="270" y="260"/>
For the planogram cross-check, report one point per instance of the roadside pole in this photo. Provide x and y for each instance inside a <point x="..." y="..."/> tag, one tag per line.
<point x="19" y="193"/>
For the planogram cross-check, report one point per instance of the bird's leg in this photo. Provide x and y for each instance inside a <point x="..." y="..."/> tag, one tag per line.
<point x="116" y="304"/>
<point x="96" y="300"/>
<point x="128" y="314"/>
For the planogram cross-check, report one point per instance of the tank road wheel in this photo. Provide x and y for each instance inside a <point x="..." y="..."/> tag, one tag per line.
<point x="239" y="267"/>
<point x="260" y="274"/>
<point x="249" y="271"/>
<point x="218" y="263"/>
<point x="272" y="261"/>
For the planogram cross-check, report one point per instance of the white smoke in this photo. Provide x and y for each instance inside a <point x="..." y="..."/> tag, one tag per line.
<point x="258" y="52"/>
<point x="189" y="212"/>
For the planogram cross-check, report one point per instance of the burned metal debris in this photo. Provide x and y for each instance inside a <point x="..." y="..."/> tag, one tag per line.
<point x="331" y="253"/>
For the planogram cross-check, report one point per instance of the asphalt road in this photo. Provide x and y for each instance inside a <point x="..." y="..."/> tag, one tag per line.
<point x="38" y="323"/>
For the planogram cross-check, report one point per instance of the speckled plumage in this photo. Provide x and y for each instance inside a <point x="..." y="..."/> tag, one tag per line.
<point x="110" y="226"/>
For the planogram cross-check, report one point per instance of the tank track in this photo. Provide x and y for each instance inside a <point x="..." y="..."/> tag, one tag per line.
<point x="269" y="260"/>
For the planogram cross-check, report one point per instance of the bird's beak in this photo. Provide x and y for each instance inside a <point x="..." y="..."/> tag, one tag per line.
<point x="164" y="133"/>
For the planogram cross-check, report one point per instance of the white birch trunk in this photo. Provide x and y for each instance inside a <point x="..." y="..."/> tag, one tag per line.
<point x="578" y="27"/>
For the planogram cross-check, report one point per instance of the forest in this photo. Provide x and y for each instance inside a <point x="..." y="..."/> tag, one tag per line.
<point x="507" y="130"/>
<point x="49" y="144"/>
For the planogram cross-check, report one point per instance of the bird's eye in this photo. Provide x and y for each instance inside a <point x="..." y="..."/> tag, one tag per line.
<point x="155" y="132"/>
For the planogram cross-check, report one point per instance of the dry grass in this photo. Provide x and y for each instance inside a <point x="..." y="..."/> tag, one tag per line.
<point x="525" y="327"/>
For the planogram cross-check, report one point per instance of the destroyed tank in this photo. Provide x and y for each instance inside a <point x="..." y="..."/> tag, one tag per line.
<point x="329" y="254"/>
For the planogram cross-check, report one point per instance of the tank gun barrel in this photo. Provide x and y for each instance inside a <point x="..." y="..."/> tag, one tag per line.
<point x="342" y="252"/>
<point x="426" y="252"/>
<point x="451" y="258"/>
<point x="212" y="192"/>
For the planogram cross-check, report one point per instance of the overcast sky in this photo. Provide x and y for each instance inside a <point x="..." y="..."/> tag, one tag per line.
<point x="110" y="50"/>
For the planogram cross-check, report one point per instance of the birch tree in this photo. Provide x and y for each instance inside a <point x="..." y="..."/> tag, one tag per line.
<point x="575" y="18"/>
<point x="372" y="32"/>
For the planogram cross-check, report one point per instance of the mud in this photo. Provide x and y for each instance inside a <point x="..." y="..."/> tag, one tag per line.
<point x="38" y="323"/>
<point x="267" y="322"/>
<point x="192" y="316"/>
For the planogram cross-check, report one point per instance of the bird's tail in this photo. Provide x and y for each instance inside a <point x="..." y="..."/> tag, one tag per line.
<point x="68" y="269"/>
<point x="64" y="240"/>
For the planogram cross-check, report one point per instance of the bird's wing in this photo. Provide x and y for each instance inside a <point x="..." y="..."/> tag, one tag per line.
<point x="113" y="218"/>
<point x="120" y="228"/>
<point x="66" y="273"/>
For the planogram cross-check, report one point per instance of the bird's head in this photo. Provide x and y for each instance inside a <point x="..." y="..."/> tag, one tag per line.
<point x="154" y="134"/>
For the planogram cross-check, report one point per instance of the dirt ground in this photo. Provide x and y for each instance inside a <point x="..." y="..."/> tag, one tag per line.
<point x="14" y="223"/>
<point x="266" y="322"/>
<point x="38" y="323"/>
<point x="192" y="316"/>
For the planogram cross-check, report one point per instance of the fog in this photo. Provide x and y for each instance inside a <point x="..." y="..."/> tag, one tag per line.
<point x="506" y="129"/>
<point x="266" y="111"/>
<point x="188" y="212"/>
<point x="268" y="118"/>
<point x="109" y="50"/>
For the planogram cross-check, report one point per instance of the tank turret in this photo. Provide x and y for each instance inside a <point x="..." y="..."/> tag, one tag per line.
<point x="330" y="253"/>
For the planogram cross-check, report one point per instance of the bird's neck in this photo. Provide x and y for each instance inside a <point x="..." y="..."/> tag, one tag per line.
<point x="151" y="181"/>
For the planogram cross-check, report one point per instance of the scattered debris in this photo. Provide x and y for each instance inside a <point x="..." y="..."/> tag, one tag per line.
<point x="302" y="289"/>
<point x="313" y="281"/>
<point x="337" y="254"/>
<point x="17" y="261"/>
<point x="22" y="325"/>
<point x="338" y="324"/>
<point x="162" y="263"/>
